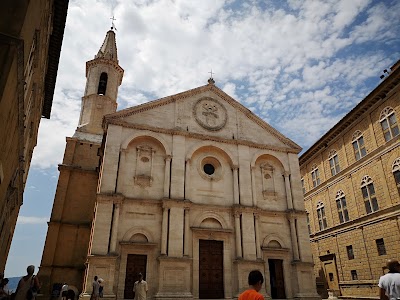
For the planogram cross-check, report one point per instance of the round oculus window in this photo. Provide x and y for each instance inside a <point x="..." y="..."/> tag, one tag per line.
<point x="209" y="169"/>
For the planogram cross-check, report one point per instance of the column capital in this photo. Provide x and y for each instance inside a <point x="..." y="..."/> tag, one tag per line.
<point x="237" y="214"/>
<point x="286" y="174"/>
<point x="188" y="160"/>
<point x="256" y="215"/>
<point x="235" y="167"/>
<point x="168" y="157"/>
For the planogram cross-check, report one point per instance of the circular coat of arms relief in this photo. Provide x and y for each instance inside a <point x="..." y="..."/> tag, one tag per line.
<point x="210" y="114"/>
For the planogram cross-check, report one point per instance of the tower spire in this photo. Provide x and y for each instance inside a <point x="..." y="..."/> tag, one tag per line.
<point x="103" y="77"/>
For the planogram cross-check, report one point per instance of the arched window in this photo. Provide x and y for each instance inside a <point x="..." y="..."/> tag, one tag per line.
<point x="396" y="172"/>
<point x="315" y="176"/>
<point x="334" y="162"/>
<point x="321" y="216"/>
<point x="342" y="207"/>
<point x="102" y="84"/>
<point x="389" y="123"/>
<point x="368" y="192"/>
<point x="358" y="145"/>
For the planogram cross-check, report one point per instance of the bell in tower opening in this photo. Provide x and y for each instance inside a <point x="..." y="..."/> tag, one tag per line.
<point x="102" y="84"/>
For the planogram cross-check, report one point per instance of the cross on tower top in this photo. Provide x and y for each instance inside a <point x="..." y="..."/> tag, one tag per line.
<point x="211" y="79"/>
<point x="112" y="23"/>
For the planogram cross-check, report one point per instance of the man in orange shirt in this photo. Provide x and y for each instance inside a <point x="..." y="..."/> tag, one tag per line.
<point x="255" y="280"/>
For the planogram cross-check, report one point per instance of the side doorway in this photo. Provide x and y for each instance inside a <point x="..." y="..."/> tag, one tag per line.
<point x="135" y="264"/>
<point x="330" y="271"/>
<point x="276" y="279"/>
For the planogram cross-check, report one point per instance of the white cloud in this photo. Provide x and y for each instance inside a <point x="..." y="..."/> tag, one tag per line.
<point x="296" y="64"/>
<point x="25" y="220"/>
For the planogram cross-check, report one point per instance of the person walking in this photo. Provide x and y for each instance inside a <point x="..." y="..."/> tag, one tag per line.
<point x="140" y="288"/>
<point x="26" y="283"/>
<point x="95" y="290"/>
<point x="255" y="281"/>
<point x="389" y="284"/>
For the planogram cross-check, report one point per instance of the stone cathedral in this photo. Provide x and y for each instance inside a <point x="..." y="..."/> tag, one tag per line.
<point x="192" y="190"/>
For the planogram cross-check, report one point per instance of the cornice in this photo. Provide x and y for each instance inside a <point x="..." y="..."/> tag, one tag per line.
<point x="376" y="217"/>
<point x="104" y="61"/>
<point x="379" y="93"/>
<point x="62" y="167"/>
<point x="201" y="136"/>
<point x="209" y="87"/>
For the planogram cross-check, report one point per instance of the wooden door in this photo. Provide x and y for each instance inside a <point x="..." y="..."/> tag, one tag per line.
<point x="330" y="271"/>
<point x="211" y="269"/>
<point x="277" y="279"/>
<point x="135" y="264"/>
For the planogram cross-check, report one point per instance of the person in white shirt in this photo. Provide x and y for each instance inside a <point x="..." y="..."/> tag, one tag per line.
<point x="389" y="284"/>
<point x="64" y="291"/>
<point x="140" y="288"/>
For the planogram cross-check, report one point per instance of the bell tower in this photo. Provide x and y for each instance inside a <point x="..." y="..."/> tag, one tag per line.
<point x="69" y="228"/>
<point x="103" y="77"/>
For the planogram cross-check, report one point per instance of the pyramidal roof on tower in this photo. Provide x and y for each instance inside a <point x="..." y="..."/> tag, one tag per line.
<point x="109" y="48"/>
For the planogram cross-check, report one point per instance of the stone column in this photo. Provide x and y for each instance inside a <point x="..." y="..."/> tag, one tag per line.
<point x="164" y="231"/>
<point x="167" y="175"/>
<point x="114" y="229"/>
<point x="288" y="191"/>
<point x="257" y="231"/>
<point x="293" y="235"/>
<point x="235" y="185"/>
<point x="187" y="180"/>
<point x="187" y="228"/>
<point x="253" y="185"/>
<point x="238" y="235"/>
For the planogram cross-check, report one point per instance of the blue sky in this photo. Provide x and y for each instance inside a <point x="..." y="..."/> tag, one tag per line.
<point x="299" y="65"/>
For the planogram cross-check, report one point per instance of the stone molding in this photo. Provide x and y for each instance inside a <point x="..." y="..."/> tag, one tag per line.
<point x="200" y="136"/>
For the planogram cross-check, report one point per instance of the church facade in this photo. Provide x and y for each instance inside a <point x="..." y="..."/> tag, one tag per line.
<point x="191" y="190"/>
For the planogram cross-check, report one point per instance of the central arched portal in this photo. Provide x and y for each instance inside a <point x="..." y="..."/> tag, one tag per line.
<point x="211" y="269"/>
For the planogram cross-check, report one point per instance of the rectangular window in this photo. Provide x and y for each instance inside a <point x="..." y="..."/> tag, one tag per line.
<point x="350" y="253"/>
<point x="302" y="186"/>
<point x="380" y="245"/>
<point x="342" y="209"/>
<point x="359" y="148"/>
<point x="315" y="177"/>
<point x="396" y="175"/>
<point x="354" y="275"/>
<point x="331" y="278"/>
<point x="370" y="201"/>
<point x="308" y="224"/>
<point x="334" y="165"/>
<point x="322" y="218"/>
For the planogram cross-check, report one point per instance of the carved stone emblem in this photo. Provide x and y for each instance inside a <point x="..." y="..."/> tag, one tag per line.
<point x="210" y="114"/>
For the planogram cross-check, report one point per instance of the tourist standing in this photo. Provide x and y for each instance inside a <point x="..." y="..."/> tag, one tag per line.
<point x="140" y="288"/>
<point x="389" y="284"/>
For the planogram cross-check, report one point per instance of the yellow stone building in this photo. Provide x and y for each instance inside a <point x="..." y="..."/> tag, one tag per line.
<point x="193" y="190"/>
<point x="351" y="184"/>
<point x="31" y="34"/>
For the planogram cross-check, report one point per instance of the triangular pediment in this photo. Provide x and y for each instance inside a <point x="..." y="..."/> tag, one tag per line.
<point x="206" y="110"/>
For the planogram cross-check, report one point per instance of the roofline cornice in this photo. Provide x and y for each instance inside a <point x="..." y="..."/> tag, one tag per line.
<point x="209" y="87"/>
<point x="379" y="93"/>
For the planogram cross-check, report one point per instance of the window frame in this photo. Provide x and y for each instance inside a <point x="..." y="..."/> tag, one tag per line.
<point x="322" y="221"/>
<point x="358" y="140"/>
<point x="380" y="246"/>
<point x="386" y="118"/>
<point x="369" y="195"/>
<point x="350" y="252"/>
<point x="343" y="212"/>
<point x="316" y="180"/>
<point x="396" y="173"/>
<point x="333" y="160"/>
<point x="354" y="275"/>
